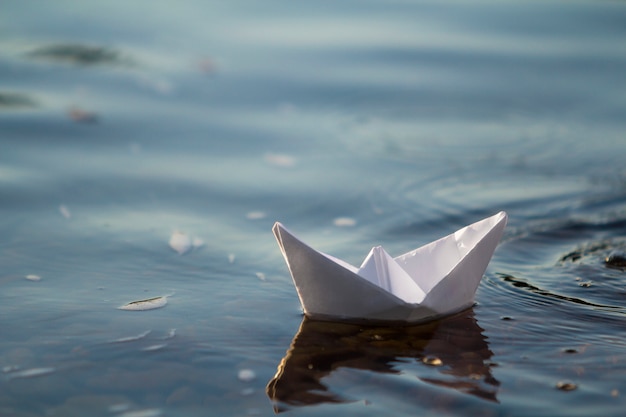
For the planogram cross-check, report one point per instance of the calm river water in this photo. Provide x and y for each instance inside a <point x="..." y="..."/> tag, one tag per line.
<point x="355" y="123"/>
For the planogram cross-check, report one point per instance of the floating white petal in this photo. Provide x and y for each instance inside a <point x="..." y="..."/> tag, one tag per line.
<point x="180" y="242"/>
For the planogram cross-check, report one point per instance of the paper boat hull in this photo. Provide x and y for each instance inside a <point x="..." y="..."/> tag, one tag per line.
<point x="331" y="290"/>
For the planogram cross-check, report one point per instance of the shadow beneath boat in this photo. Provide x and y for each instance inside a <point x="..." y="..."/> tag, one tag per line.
<point x="454" y="346"/>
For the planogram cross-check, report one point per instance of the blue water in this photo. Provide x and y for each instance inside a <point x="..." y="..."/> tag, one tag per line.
<point x="121" y="123"/>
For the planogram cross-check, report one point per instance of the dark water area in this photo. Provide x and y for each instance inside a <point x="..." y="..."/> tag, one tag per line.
<point x="355" y="124"/>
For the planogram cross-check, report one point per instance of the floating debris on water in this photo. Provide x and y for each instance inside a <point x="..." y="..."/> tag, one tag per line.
<point x="586" y="284"/>
<point x="506" y="318"/>
<point x="170" y="334"/>
<point x="231" y="258"/>
<point x="432" y="361"/>
<point x="148" y="412"/>
<point x="180" y="242"/>
<point x="147" y="304"/>
<point x="65" y="212"/>
<point x="33" y="277"/>
<point x="246" y="375"/>
<point x="566" y="386"/>
<point x="132" y="338"/>
<point x="570" y="350"/>
<point x="344" y="222"/>
<point x="31" y="373"/>
<point x="261" y="276"/>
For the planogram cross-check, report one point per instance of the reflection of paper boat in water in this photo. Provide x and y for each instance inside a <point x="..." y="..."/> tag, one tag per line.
<point x="437" y="279"/>
<point x="320" y="348"/>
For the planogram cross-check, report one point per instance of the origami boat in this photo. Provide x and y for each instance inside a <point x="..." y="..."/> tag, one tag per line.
<point x="435" y="280"/>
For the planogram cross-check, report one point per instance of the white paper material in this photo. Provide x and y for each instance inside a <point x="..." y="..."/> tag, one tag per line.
<point x="437" y="279"/>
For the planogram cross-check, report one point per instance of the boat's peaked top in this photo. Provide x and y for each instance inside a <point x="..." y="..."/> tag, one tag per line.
<point x="436" y="279"/>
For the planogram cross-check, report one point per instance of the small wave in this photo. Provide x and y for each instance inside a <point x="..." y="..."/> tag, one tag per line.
<point x="520" y="283"/>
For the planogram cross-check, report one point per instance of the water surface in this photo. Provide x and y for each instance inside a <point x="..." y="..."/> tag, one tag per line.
<point x="354" y="124"/>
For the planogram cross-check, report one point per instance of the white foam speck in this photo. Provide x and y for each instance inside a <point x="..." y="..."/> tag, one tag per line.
<point x="246" y="375"/>
<point x="344" y="222"/>
<point x="33" y="277"/>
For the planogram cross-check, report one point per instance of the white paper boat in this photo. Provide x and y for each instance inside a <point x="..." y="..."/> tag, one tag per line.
<point x="437" y="279"/>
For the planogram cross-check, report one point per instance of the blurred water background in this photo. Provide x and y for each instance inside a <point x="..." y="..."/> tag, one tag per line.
<point x="354" y="123"/>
